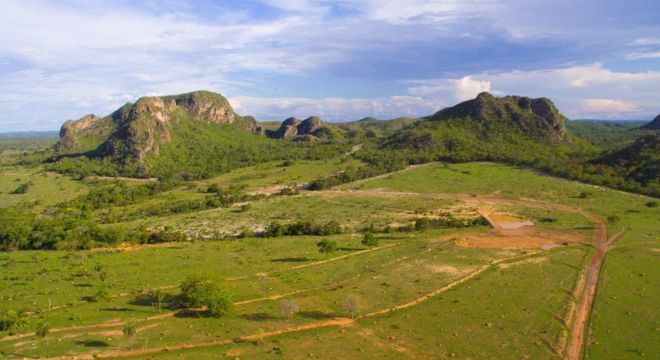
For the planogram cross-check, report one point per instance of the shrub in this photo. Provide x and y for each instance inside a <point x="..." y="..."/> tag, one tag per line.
<point x="369" y="239"/>
<point x="197" y="291"/>
<point x="422" y="224"/>
<point x="21" y="189"/>
<point x="326" y="246"/>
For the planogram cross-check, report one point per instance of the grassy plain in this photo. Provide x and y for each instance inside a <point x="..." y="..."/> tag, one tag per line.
<point x="418" y="294"/>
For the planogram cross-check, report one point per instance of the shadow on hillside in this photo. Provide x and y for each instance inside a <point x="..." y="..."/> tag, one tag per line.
<point x="190" y="313"/>
<point x="315" y="314"/>
<point x="117" y="309"/>
<point x="350" y="249"/>
<point x="291" y="259"/>
<point x="92" y="343"/>
<point x="259" y="317"/>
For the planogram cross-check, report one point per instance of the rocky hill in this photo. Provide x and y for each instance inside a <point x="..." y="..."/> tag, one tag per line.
<point x="510" y="128"/>
<point x="140" y="129"/>
<point x="535" y="118"/>
<point x="196" y="133"/>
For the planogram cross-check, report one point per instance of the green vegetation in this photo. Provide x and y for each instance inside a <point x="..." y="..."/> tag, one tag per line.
<point x="384" y="264"/>
<point x="201" y="292"/>
<point x="606" y="134"/>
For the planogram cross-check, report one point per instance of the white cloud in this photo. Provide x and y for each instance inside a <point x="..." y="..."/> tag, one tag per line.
<point x="608" y="105"/>
<point x="579" y="92"/>
<point x="643" y="55"/>
<point x="333" y="109"/>
<point x="468" y="88"/>
<point x="447" y="90"/>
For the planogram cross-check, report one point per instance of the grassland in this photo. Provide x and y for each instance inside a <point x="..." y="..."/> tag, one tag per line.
<point x="45" y="189"/>
<point x="418" y="294"/>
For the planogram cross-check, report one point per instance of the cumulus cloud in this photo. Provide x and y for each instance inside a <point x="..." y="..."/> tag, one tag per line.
<point x="62" y="59"/>
<point x="608" y="105"/>
<point x="333" y="109"/>
<point x="451" y="89"/>
<point x="579" y="92"/>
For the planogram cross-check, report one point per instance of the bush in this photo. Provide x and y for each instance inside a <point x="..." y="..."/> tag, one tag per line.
<point x="369" y="239"/>
<point x="197" y="291"/>
<point x="21" y="189"/>
<point x="326" y="246"/>
<point x="422" y="224"/>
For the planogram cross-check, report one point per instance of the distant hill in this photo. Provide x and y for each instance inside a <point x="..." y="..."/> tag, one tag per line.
<point x="28" y="134"/>
<point x="639" y="161"/>
<point x="606" y="134"/>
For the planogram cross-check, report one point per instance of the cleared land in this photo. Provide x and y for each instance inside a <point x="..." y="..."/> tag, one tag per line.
<point x="524" y="287"/>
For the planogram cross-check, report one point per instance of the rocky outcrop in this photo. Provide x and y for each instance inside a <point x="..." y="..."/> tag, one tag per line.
<point x="139" y="128"/>
<point x="309" y="129"/>
<point x="310" y="125"/>
<point x="538" y="118"/>
<point x="71" y="128"/>
<point x="288" y="129"/>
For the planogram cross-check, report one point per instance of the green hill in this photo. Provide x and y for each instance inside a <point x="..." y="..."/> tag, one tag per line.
<point x="191" y="135"/>
<point x="640" y="161"/>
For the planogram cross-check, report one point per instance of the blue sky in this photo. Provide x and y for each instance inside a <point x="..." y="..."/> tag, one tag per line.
<point x="341" y="60"/>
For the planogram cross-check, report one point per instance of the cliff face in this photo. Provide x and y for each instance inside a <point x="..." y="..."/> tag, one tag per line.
<point x="139" y="129"/>
<point x="70" y="130"/>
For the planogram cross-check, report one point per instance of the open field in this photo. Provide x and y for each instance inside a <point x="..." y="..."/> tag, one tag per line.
<point x="517" y="286"/>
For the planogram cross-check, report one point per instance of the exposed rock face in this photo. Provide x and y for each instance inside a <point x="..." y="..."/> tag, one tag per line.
<point x="653" y="125"/>
<point x="70" y="128"/>
<point x="204" y="106"/>
<point x="536" y="117"/>
<point x="306" y="130"/>
<point x="288" y="129"/>
<point x="142" y="126"/>
<point x="309" y="125"/>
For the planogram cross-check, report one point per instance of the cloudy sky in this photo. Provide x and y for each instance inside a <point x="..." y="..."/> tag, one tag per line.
<point x="342" y="60"/>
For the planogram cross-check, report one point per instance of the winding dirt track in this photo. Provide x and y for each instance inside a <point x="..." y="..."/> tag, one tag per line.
<point x="592" y="274"/>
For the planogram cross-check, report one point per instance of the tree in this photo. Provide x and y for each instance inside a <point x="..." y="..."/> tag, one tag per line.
<point x="351" y="306"/>
<point x="158" y="296"/>
<point x="198" y="291"/>
<point x="326" y="246"/>
<point x="218" y="303"/>
<point x="12" y="320"/>
<point x="422" y="224"/>
<point x="129" y="330"/>
<point x="42" y="331"/>
<point x="288" y="308"/>
<point x="369" y="239"/>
